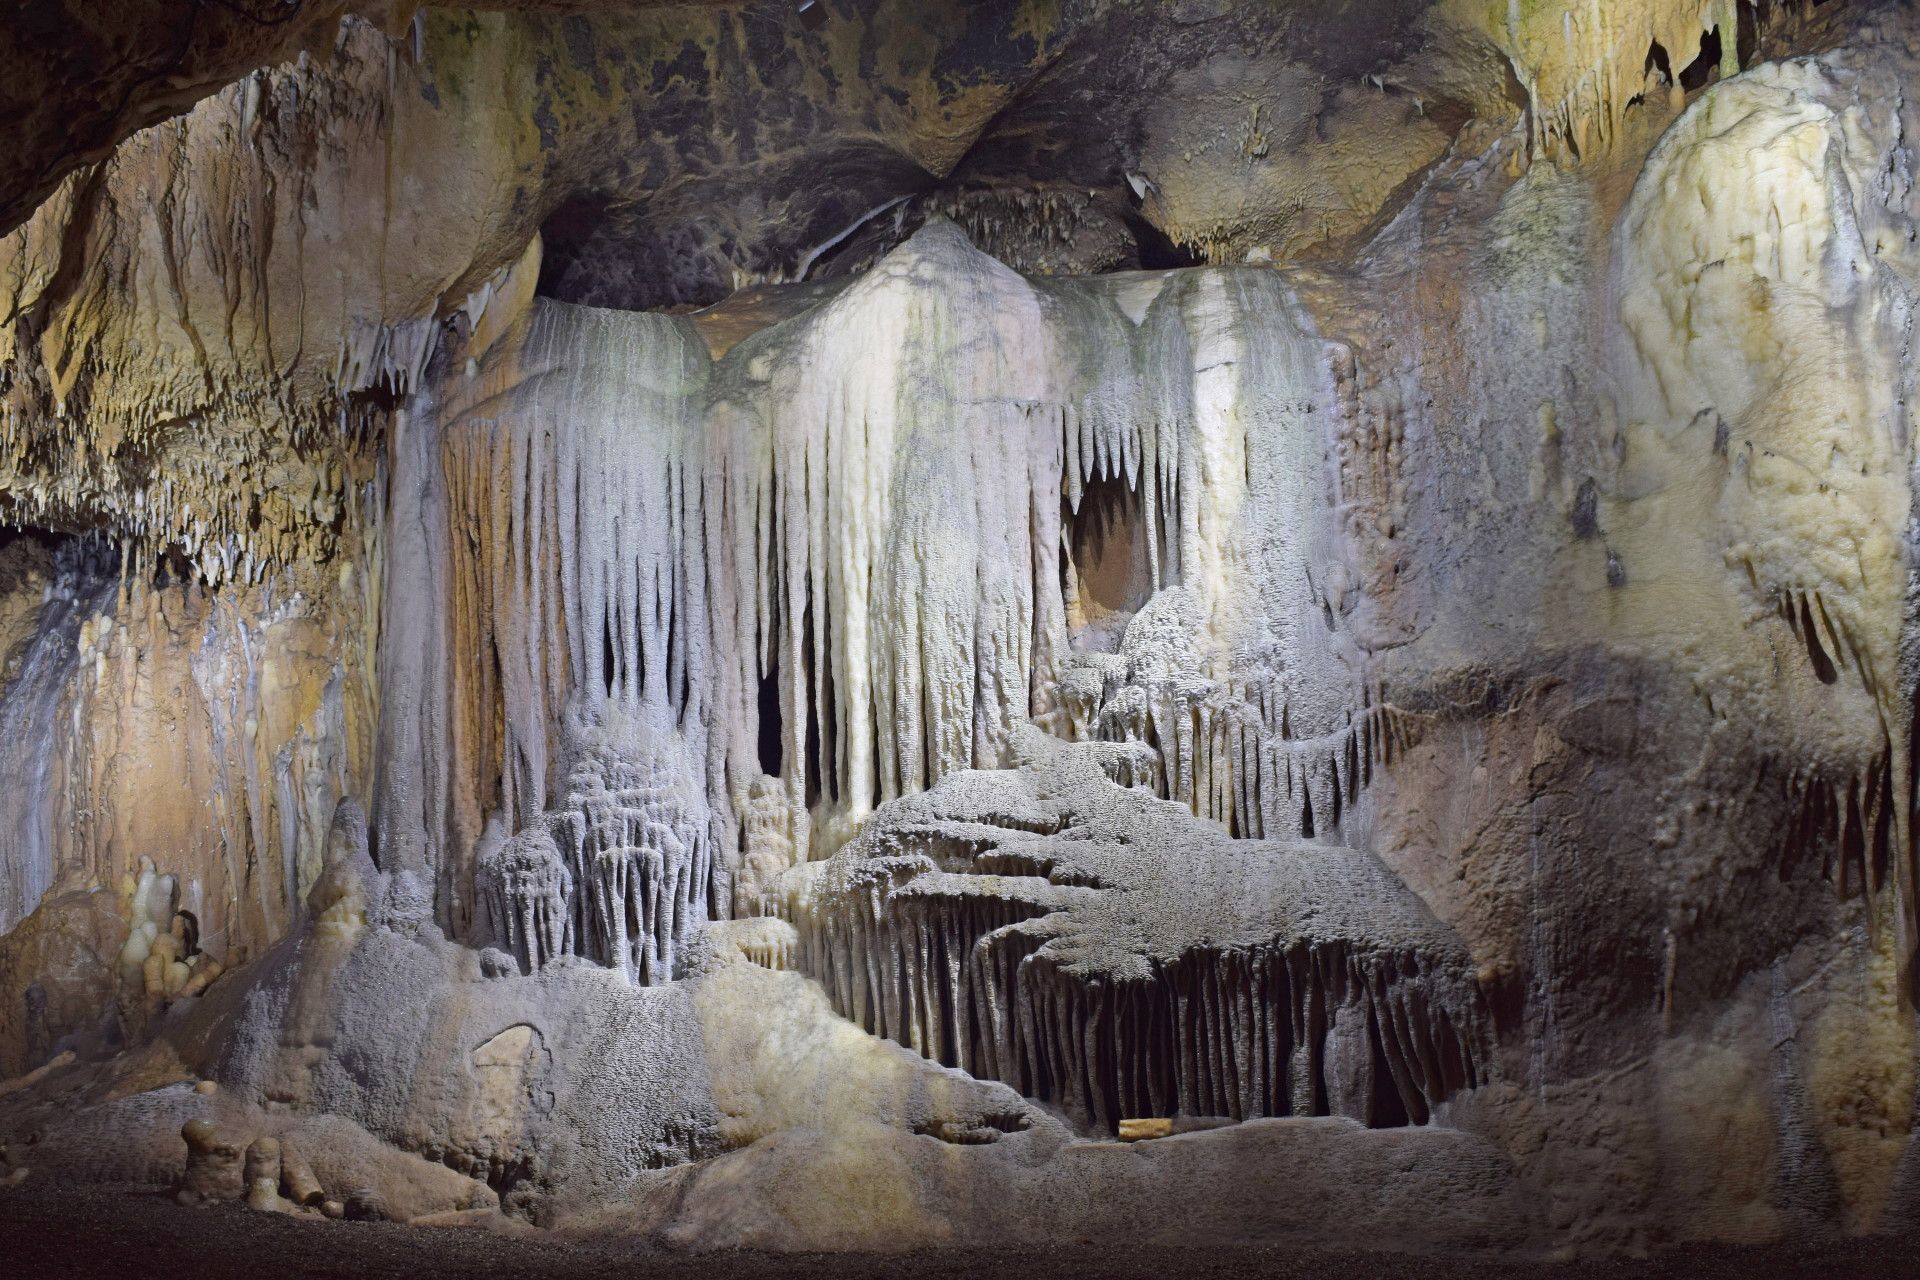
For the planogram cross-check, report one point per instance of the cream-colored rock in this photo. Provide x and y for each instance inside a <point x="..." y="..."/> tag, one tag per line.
<point x="201" y="976"/>
<point x="302" y="1187"/>
<point x="1141" y="1130"/>
<point x="215" y="1167"/>
<point x="340" y="898"/>
<point x="262" y="1175"/>
<point x="767" y="941"/>
<point x="35" y="1076"/>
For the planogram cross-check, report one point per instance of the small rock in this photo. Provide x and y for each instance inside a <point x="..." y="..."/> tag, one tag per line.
<point x="303" y="1188"/>
<point x="365" y="1205"/>
<point x="263" y="1175"/>
<point x="333" y="1209"/>
<point x="206" y="1087"/>
<point x="263" y="1161"/>
<point x="1141" y="1130"/>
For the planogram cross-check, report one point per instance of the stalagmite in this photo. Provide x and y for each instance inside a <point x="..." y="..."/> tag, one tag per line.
<point x="529" y="891"/>
<point x="215" y="1167"/>
<point x="297" y="1174"/>
<point x="262" y="1175"/>
<point x="620" y="872"/>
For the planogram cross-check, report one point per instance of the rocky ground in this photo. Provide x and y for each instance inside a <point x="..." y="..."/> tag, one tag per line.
<point x="49" y="1230"/>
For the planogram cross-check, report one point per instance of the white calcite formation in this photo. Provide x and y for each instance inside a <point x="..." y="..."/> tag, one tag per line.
<point x="622" y="873"/>
<point x="635" y="530"/>
<point x="64" y="633"/>
<point x="1766" y="320"/>
<point x="1102" y="950"/>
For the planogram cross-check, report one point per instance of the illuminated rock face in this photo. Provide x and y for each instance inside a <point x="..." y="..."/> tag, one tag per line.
<point x="1410" y="697"/>
<point x="1109" y="953"/>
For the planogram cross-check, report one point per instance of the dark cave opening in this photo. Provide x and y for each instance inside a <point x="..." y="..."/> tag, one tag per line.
<point x="1386" y="1109"/>
<point x="49" y="539"/>
<point x="1157" y="251"/>
<point x="1823" y="668"/>
<point x="563" y="237"/>
<point x="1108" y="576"/>
<point x="599" y="250"/>
<point x="609" y="668"/>
<point x="1705" y="68"/>
<point x="1657" y="60"/>
<point x="88" y="560"/>
<point x="771" y="729"/>
<point x="1748" y="20"/>
<point x="821" y="737"/>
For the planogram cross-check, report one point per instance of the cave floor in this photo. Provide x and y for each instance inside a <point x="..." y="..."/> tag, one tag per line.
<point x="60" y="1230"/>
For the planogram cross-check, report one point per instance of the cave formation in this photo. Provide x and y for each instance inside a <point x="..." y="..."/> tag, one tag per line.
<point x="881" y="625"/>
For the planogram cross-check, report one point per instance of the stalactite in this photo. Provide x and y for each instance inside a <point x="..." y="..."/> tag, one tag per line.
<point x="529" y="892"/>
<point x="819" y="528"/>
<point x="1228" y="750"/>
<point x="1002" y="925"/>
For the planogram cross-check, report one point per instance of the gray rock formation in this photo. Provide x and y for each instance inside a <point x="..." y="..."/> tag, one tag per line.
<point x="1105" y="951"/>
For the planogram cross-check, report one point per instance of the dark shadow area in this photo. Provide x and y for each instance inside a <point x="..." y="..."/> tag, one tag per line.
<point x="1704" y="69"/>
<point x="69" y="1231"/>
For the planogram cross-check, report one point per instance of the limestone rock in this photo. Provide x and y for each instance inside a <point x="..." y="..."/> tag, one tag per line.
<point x="666" y="620"/>
<point x="215" y="1168"/>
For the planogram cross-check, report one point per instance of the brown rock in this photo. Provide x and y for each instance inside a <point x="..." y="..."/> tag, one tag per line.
<point x="215" y="1169"/>
<point x="1141" y="1130"/>
<point x="296" y="1175"/>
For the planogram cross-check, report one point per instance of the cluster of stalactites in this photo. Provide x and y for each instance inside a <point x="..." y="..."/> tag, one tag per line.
<point x="1306" y="1029"/>
<point x="528" y="895"/>
<point x="1583" y="67"/>
<point x="957" y="967"/>
<point x="899" y="527"/>
<point x="1227" y="749"/>
<point x="232" y="518"/>
<point x="571" y="520"/>
<point x="623" y="872"/>
<point x="857" y="524"/>
<point x="221" y="514"/>
<point x="890" y="511"/>
<point x="390" y="358"/>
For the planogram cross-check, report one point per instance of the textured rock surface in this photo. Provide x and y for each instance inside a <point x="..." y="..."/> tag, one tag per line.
<point x="1105" y="951"/>
<point x="1337" y="577"/>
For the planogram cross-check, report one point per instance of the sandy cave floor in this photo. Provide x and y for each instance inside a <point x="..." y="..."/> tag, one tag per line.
<point x="49" y="1230"/>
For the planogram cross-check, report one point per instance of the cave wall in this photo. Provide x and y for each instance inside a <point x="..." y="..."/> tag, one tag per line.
<point x="1219" y="561"/>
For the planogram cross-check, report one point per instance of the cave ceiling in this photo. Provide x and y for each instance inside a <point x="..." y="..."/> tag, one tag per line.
<point x="670" y="155"/>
